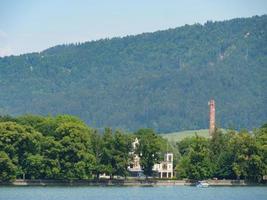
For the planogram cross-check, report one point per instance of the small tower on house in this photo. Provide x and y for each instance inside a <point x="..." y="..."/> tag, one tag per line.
<point x="212" y="117"/>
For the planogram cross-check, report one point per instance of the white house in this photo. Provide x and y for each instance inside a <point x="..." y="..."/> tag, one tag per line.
<point x="164" y="169"/>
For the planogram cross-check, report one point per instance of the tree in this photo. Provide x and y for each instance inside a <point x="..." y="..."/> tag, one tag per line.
<point x="18" y="141"/>
<point x="230" y="155"/>
<point x="221" y="155"/>
<point x="107" y="158"/>
<point x="181" y="167"/>
<point x="148" y="150"/>
<point x="51" y="151"/>
<point x="196" y="160"/>
<point x="97" y="148"/>
<point x="35" y="166"/>
<point x="76" y="157"/>
<point x="242" y="146"/>
<point x="258" y="163"/>
<point x="64" y="147"/>
<point x="7" y="169"/>
<point x="122" y="147"/>
<point x="112" y="153"/>
<point x="31" y="120"/>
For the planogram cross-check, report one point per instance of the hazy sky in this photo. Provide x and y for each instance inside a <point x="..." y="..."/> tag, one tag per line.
<point x="34" y="25"/>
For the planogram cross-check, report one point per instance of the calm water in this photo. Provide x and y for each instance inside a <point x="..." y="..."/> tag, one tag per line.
<point x="133" y="193"/>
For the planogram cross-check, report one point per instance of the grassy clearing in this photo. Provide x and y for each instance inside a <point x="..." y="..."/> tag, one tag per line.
<point x="178" y="136"/>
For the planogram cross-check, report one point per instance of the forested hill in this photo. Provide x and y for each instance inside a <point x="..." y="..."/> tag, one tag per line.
<point x="161" y="80"/>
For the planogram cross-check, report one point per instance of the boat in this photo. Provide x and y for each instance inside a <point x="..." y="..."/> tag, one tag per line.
<point x="202" y="184"/>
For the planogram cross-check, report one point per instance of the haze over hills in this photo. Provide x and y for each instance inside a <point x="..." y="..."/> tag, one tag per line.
<point x="162" y="80"/>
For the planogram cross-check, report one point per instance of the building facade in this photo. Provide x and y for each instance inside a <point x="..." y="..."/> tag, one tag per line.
<point x="163" y="169"/>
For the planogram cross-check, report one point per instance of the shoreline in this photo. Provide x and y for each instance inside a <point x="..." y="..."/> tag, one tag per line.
<point x="127" y="182"/>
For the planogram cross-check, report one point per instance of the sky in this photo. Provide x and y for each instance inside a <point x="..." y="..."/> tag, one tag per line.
<point x="34" y="25"/>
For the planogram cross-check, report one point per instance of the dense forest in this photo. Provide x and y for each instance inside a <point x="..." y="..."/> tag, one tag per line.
<point x="64" y="147"/>
<point x="161" y="80"/>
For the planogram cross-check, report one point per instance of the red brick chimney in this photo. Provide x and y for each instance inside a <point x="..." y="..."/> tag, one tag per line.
<point x="212" y="117"/>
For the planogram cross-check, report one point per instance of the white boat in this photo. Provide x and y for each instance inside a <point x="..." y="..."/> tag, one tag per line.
<point x="202" y="184"/>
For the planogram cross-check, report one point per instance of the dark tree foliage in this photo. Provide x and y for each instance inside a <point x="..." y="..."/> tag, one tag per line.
<point x="7" y="168"/>
<point x="148" y="150"/>
<point x="161" y="80"/>
<point x="232" y="155"/>
<point x="61" y="147"/>
<point x="64" y="147"/>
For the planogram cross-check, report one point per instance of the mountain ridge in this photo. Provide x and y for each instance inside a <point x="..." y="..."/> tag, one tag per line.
<point x="161" y="80"/>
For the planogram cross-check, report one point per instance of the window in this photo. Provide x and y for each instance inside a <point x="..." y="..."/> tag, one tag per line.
<point x="170" y="158"/>
<point x="164" y="166"/>
<point x="164" y="175"/>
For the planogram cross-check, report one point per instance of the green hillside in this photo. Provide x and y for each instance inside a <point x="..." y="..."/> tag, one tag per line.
<point x="178" y="136"/>
<point x="162" y="80"/>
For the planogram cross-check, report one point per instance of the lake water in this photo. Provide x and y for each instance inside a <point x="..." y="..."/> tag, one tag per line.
<point x="133" y="193"/>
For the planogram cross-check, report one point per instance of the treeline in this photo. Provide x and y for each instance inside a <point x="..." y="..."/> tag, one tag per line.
<point x="231" y="155"/>
<point x="64" y="147"/>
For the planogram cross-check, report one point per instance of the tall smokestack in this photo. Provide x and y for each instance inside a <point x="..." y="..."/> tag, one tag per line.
<point x="212" y="117"/>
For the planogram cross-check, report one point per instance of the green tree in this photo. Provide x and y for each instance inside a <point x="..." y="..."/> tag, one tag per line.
<point x="76" y="157"/>
<point x="97" y="148"/>
<point x="196" y="160"/>
<point x="35" y="166"/>
<point x="258" y="163"/>
<point x="51" y="151"/>
<point x="31" y="120"/>
<point x="8" y="170"/>
<point x="242" y="146"/>
<point x="122" y="147"/>
<point x="107" y="158"/>
<point x="221" y="154"/>
<point x="18" y="141"/>
<point x="148" y="150"/>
